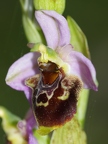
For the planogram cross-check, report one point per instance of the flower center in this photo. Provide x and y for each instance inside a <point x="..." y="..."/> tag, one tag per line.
<point x="49" y="71"/>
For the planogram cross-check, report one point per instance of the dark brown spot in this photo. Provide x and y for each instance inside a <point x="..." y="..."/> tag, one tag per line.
<point x="42" y="98"/>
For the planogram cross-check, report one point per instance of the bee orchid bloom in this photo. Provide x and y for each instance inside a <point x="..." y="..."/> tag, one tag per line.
<point x="18" y="131"/>
<point x="26" y="126"/>
<point x="52" y="76"/>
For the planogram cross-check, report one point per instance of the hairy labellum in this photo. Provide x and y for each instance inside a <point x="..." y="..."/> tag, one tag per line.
<point x="55" y="95"/>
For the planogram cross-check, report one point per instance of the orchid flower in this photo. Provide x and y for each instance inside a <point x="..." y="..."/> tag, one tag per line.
<point x="52" y="76"/>
<point x="18" y="131"/>
<point x="26" y="126"/>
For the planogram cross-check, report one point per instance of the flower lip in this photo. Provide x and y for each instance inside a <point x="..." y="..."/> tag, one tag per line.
<point x="50" y="98"/>
<point x="59" y="103"/>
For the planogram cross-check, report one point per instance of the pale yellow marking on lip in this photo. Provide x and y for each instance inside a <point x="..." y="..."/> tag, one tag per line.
<point x="65" y="96"/>
<point x="48" y="96"/>
<point x="32" y="81"/>
<point x="42" y="104"/>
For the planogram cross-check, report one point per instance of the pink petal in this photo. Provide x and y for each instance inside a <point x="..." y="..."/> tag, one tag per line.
<point x="28" y="94"/>
<point x="32" y="139"/>
<point x="80" y="66"/>
<point x="23" y="68"/>
<point x="31" y="124"/>
<point x="30" y="119"/>
<point x="55" y="28"/>
<point x="26" y="127"/>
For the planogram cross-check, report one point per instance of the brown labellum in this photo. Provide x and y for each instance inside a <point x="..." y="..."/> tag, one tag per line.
<point x="54" y="95"/>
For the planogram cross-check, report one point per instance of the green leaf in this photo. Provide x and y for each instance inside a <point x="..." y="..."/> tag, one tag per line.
<point x="70" y="133"/>
<point x="82" y="106"/>
<point x="78" y="39"/>
<point x="79" y="42"/>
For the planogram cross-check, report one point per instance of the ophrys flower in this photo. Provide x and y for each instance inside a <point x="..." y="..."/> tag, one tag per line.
<point x="52" y="76"/>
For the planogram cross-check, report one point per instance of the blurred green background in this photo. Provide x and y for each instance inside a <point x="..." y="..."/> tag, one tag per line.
<point x="92" y="17"/>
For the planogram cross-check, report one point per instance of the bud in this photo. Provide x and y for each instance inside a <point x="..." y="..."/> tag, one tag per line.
<point x="57" y="5"/>
<point x="30" y="29"/>
<point x="9" y="125"/>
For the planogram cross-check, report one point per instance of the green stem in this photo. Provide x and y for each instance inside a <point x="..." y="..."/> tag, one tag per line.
<point x="82" y="106"/>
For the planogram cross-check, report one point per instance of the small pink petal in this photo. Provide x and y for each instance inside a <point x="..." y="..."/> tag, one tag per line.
<point x="31" y="124"/>
<point x="22" y="127"/>
<point x="79" y="66"/>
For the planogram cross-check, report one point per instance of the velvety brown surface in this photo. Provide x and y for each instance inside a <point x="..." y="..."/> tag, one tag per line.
<point x="57" y="111"/>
